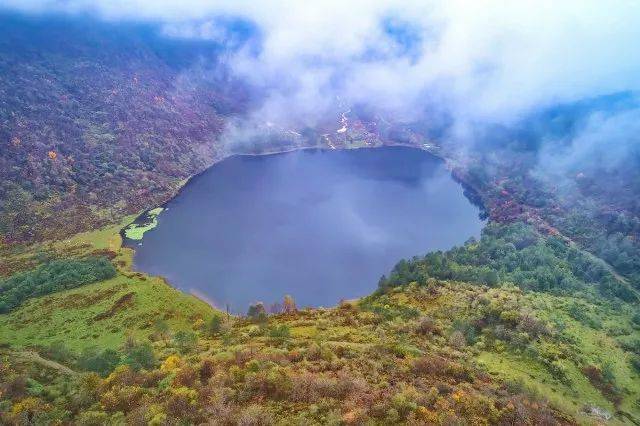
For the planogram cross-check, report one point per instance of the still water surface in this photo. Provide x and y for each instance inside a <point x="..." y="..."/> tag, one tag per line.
<point x="318" y="225"/>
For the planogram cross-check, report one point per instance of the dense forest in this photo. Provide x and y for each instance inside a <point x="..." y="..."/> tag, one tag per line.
<point x="517" y="254"/>
<point x="593" y="204"/>
<point x="88" y="115"/>
<point x="51" y="277"/>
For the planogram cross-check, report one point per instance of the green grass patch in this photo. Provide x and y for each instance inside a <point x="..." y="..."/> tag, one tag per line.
<point x="136" y="231"/>
<point x="101" y="314"/>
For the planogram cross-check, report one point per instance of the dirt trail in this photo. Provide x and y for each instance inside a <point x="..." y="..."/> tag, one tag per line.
<point x="35" y="357"/>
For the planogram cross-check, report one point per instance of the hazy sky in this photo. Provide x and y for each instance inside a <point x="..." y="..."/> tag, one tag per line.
<point x="480" y="61"/>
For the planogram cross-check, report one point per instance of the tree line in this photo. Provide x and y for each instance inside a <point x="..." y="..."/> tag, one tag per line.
<point x="51" y="277"/>
<point x="513" y="253"/>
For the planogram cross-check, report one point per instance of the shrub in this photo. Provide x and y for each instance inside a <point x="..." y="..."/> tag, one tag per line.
<point x="254" y="415"/>
<point x="172" y="363"/>
<point x="185" y="341"/>
<point x="257" y="313"/>
<point x="280" y="332"/>
<point x="58" y="351"/>
<point x="214" y="326"/>
<point x="146" y="414"/>
<point x="52" y="277"/>
<point x="140" y="356"/>
<point x="206" y="370"/>
<point x="312" y="387"/>
<point x="87" y="391"/>
<point x="289" y="305"/>
<point x="101" y="362"/>
<point x="558" y="371"/>
<point x="121" y="398"/>
<point x="404" y="402"/>
<point x="271" y="383"/>
<point x="180" y="405"/>
<point x="427" y="326"/>
<point x="403" y="349"/>
<point x="430" y="366"/>
<point x="14" y="387"/>
<point x="346" y="305"/>
<point x="532" y="325"/>
<point x="317" y="352"/>
<point x="186" y="376"/>
<point x="161" y="329"/>
<point x="28" y="408"/>
<point x="457" y="340"/>
<point x="632" y="345"/>
<point x="93" y="418"/>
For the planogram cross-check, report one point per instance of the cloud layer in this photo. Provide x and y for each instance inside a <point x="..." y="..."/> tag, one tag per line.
<point x="476" y="61"/>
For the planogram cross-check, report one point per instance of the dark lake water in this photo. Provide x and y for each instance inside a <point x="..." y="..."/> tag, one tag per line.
<point x="318" y="225"/>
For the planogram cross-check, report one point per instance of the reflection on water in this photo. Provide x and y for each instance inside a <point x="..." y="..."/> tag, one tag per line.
<point x="318" y="225"/>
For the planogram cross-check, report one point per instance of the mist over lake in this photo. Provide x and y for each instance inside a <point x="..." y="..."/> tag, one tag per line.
<point x="318" y="225"/>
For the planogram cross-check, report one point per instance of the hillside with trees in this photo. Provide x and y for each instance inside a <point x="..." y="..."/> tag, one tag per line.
<point x="100" y="120"/>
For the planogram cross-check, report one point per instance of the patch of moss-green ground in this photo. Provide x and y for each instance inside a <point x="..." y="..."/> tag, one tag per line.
<point x="136" y="231"/>
<point x="106" y="238"/>
<point x="101" y="314"/>
<point x="582" y="344"/>
<point x="534" y="377"/>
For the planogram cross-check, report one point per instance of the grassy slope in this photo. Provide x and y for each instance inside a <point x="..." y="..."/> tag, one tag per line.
<point x="130" y="302"/>
<point x="571" y="340"/>
<point x="72" y="316"/>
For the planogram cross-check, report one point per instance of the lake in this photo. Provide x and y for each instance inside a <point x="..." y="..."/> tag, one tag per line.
<point x="318" y="225"/>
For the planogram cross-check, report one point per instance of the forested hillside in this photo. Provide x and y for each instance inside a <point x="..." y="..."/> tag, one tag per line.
<point x="98" y="120"/>
<point x="581" y="199"/>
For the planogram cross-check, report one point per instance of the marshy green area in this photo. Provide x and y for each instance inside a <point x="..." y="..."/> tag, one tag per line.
<point x="136" y="231"/>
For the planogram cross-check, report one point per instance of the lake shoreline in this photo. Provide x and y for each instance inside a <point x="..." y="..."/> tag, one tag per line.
<point x="400" y="165"/>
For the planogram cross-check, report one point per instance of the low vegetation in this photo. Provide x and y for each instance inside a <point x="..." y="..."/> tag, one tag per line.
<point x="98" y="314"/>
<point x="428" y="348"/>
<point x="537" y="322"/>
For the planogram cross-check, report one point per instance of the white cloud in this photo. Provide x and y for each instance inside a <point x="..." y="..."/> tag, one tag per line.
<point x="607" y="140"/>
<point x="483" y="60"/>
